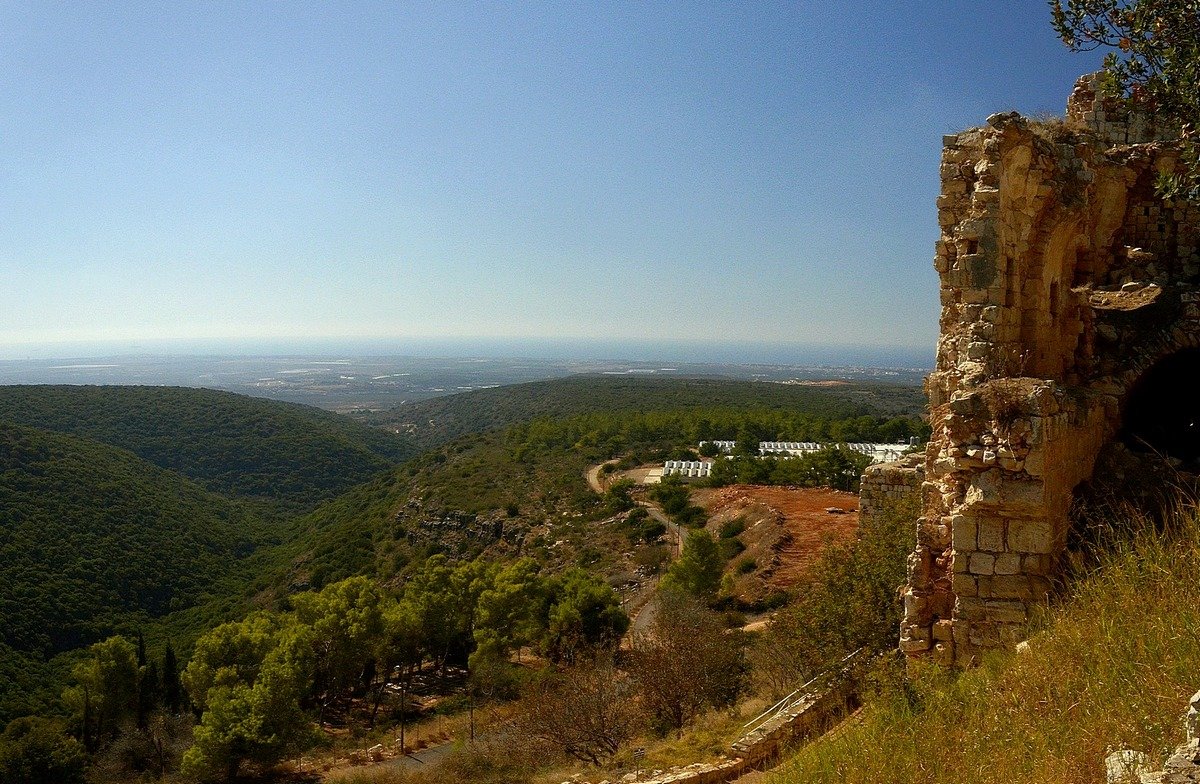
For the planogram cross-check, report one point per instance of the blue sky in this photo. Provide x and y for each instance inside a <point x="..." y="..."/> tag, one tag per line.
<point x="725" y="171"/>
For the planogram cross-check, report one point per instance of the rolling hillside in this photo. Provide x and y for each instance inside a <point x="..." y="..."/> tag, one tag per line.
<point x="89" y="533"/>
<point x="440" y="420"/>
<point x="93" y="538"/>
<point x="286" y="457"/>
<point x="512" y="479"/>
<point x="171" y="509"/>
<point x="120" y="506"/>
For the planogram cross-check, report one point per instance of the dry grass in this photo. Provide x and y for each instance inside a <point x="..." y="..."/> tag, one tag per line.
<point x="1110" y="668"/>
<point x="708" y="737"/>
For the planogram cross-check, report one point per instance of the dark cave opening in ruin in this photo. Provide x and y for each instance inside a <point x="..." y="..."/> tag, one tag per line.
<point x="1162" y="412"/>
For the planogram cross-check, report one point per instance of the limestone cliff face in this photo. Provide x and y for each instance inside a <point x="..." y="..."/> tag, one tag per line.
<point x="1064" y="279"/>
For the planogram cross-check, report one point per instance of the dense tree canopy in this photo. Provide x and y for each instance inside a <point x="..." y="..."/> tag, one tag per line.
<point x="697" y="573"/>
<point x="92" y="540"/>
<point x="284" y="456"/>
<point x="37" y="751"/>
<point x="250" y="681"/>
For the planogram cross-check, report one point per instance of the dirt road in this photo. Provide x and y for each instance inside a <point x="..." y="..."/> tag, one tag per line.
<point x="593" y="475"/>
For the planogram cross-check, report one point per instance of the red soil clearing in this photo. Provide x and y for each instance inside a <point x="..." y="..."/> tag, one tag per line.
<point x="798" y="516"/>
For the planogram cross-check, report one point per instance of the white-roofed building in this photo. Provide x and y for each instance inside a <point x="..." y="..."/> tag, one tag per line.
<point x="879" y="453"/>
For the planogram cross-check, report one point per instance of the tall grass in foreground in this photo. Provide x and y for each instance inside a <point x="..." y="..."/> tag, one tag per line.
<point x="1110" y="668"/>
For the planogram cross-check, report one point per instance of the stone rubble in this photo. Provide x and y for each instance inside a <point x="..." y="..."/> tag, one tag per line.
<point x="1181" y="767"/>
<point x="883" y="484"/>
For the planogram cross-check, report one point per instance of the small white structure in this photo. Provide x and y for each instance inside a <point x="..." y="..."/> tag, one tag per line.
<point x="692" y="469"/>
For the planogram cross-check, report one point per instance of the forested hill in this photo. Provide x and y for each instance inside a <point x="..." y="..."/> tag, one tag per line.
<point x="520" y="462"/>
<point x="288" y="456"/>
<point x="440" y="420"/>
<point x="92" y="538"/>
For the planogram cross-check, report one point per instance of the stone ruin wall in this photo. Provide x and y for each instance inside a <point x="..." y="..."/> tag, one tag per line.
<point x="884" y="484"/>
<point x="1063" y="279"/>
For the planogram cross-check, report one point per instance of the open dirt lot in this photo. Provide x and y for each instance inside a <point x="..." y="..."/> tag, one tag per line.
<point x="786" y="528"/>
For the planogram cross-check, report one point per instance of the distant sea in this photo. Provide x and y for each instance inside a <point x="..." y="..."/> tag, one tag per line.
<point x="554" y="349"/>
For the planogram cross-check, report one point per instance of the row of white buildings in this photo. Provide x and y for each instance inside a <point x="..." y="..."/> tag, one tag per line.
<point x="879" y="453"/>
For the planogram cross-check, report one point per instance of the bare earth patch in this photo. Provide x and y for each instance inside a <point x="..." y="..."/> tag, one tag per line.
<point x="786" y="527"/>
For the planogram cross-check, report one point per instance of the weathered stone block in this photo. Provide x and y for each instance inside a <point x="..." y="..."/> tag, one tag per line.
<point x="990" y="535"/>
<point x="1039" y="565"/>
<point x="965" y="585"/>
<point x="982" y="563"/>
<point x="1007" y="563"/>
<point x="1030" y="536"/>
<point x="1006" y="612"/>
<point x="963" y="533"/>
<point x="969" y="607"/>
<point x="1011" y="587"/>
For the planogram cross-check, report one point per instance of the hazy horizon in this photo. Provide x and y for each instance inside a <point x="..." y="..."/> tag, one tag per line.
<point x="557" y="349"/>
<point x="704" y="172"/>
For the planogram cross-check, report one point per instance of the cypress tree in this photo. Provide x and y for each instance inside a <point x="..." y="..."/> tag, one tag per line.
<point x="148" y="692"/>
<point x="172" y="689"/>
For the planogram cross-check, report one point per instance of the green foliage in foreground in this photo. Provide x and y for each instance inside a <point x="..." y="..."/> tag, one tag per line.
<point x="289" y="457"/>
<point x="37" y="751"/>
<point x="1153" y="63"/>
<point x="697" y="573"/>
<point x="1111" y="668"/>
<point x="849" y="601"/>
<point x="248" y="678"/>
<point x="260" y="682"/>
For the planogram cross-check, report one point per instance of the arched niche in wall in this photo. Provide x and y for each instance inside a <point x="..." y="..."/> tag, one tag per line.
<point x="1051" y="325"/>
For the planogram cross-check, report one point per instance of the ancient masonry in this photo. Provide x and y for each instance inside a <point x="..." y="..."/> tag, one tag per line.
<point x="885" y="483"/>
<point x="1070" y="309"/>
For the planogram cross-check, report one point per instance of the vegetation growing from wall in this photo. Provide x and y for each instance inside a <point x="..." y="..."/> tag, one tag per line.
<point x="1153" y="63"/>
